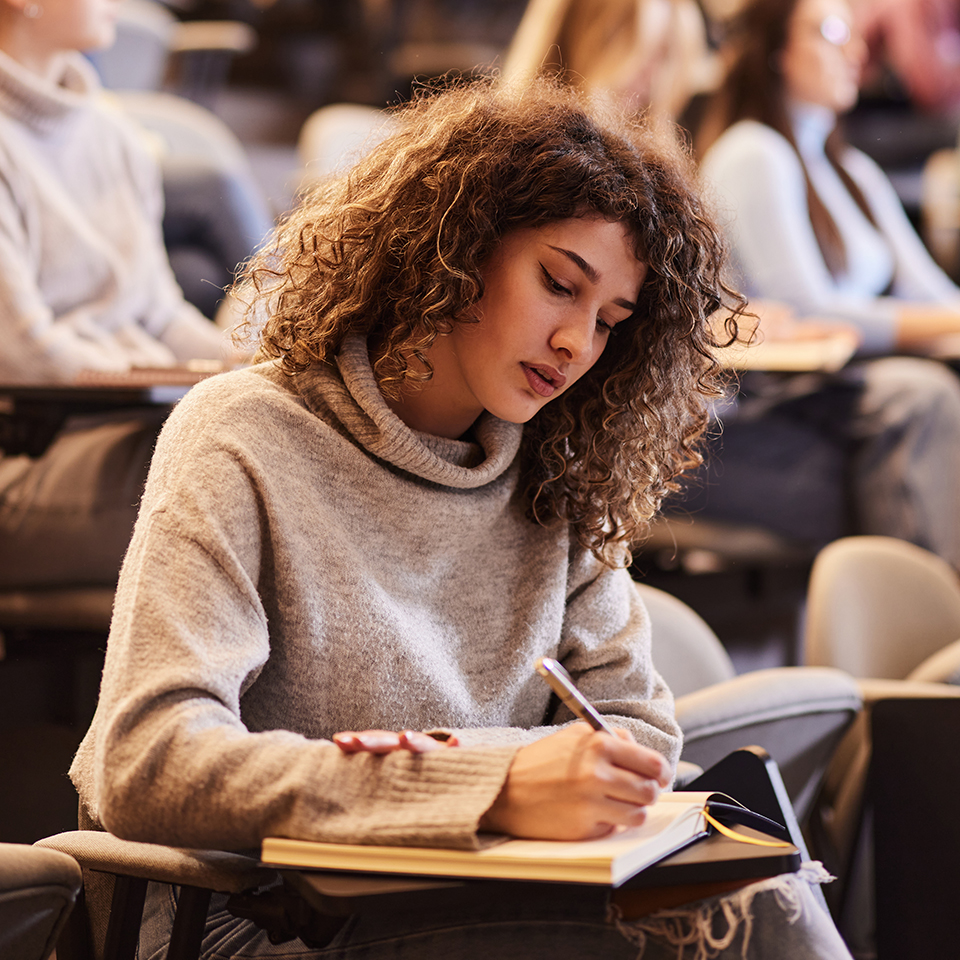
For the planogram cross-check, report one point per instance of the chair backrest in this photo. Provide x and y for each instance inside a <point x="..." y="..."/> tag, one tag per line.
<point x="155" y="49"/>
<point x="137" y="59"/>
<point x="686" y="652"/>
<point x="190" y="136"/>
<point x="878" y="607"/>
<point x="38" y="889"/>
<point x="338" y="134"/>
<point x="185" y="128"/>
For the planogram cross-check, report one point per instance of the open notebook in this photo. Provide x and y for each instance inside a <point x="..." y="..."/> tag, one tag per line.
<point x="676" y="820"/>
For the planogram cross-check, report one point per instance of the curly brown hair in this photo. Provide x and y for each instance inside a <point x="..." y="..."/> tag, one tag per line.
<point x="395" y="249"/>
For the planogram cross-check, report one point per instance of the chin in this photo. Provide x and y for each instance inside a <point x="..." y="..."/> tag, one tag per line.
<point x="102" y="39"/>
<point x="514" y="415"/>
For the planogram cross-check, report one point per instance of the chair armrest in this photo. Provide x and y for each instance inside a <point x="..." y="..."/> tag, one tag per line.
<point x="211" y="869"/>
<point x="763" y="696"/>
<point x="797" y="714"/>
<point x="940" y="667"/>
<point x="874" y="689"/>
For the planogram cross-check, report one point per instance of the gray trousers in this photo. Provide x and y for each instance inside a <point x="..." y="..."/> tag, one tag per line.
<point x="874" y="449"/>
<point x="775" y="919"/>
<point x="66" y="517"/>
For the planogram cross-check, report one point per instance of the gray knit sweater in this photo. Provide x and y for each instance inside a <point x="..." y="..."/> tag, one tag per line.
<point x="85" y="280"/>
<point x="305" y="563"/>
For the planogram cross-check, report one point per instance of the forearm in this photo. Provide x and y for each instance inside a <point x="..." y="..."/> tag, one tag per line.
<point x="918" y="323"/>
<point x="224" y="787"/>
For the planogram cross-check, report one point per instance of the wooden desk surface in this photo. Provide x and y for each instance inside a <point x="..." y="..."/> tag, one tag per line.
<point x="32" y="414"/>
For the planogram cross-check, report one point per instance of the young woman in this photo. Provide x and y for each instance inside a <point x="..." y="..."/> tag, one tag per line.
<point x="485" y="363"/>
<point x="813" y="222"/>
<point x="84" y="284"/>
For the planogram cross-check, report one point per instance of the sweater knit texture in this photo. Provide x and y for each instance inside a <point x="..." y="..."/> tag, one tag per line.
<point x="305" y="563"/>
<point x="757" y="181"/>
<point x="86" y="282"/>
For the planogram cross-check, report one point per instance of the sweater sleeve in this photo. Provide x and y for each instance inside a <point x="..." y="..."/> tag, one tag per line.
<point x="39" y="344"/>
<point x="165" y="314"/>
<point x="757" y="184"/>
<point x="606" y="648"/>
<point x="169" y="758"/>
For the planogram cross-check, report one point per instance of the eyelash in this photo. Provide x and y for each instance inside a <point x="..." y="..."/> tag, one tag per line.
<point x="554" y="286"/>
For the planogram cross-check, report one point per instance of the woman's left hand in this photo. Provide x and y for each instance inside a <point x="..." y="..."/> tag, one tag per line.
<point x="387" y="741"/>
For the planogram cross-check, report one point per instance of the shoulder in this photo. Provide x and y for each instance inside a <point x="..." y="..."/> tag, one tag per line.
<point x="237" y="401"/>
<point x="227" y="434"/>
<point x="749" y="146"/>
<point x="864" y="169"/>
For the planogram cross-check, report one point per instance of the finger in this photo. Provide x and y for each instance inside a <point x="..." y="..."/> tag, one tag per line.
<point x="367" y="741"/>
<point x="417" y="742"/>
<point x="623" y="814"/>
<point x="639" y="759"/>
<point x="626" y="787"/>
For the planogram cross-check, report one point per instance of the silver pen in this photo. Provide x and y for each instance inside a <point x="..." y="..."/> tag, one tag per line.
<point x="554" y="673"/>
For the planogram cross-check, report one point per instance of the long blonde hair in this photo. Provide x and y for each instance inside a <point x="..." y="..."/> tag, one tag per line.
<point x="600" y="45"/>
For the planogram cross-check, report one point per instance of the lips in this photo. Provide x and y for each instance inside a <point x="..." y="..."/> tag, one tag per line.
<point x="544" y="379"/>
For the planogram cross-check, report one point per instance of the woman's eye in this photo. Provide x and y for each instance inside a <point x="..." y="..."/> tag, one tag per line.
<point x="608" y="327"/>
<point x="552" y="283"/>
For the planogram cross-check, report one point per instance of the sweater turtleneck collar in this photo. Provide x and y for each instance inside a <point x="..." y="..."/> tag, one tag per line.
<point x="363" y="411"/>
<point x="38" y="103"/>
<point x="812" y="124"/>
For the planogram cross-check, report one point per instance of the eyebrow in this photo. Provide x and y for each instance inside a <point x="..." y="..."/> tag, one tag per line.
<point x="591" y="273"/>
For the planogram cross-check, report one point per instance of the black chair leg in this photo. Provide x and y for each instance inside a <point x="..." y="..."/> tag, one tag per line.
<point x="126" y="914"/>
<point x="188" y="925"/>
<point x="74" y="940"/>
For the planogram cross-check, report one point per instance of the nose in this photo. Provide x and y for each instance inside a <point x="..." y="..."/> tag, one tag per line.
<point x="573" y="338"/>
<point x="856" y="49"/>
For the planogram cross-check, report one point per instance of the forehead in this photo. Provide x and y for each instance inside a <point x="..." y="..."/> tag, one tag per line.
<point x="609" y="247"/>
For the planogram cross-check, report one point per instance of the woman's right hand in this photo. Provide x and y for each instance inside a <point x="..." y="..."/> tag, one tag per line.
<point x="577" y="784"/>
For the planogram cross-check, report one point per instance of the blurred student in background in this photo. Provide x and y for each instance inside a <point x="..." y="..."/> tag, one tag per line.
<point x="84" y="284"/>
<point x="648" y="54"/>
<point x="813" y="222"/>
<point x="874" y="449"/>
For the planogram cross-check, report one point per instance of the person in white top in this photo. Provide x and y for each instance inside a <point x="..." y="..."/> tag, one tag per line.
<point x="84" y="284"/>
<point x="812" y="221"/>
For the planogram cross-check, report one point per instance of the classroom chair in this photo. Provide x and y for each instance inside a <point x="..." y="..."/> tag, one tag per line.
<point x="38" y="889"/>
<point x="797" y="714"/>
<point x="336" y="135"/>
<point x="106" y="923"/>
<point x="887" y="612"/>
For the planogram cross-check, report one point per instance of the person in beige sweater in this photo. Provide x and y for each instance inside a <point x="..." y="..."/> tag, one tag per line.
<point x="486" y="360"/>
